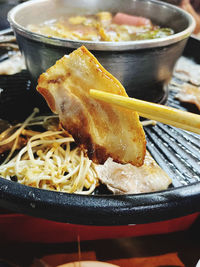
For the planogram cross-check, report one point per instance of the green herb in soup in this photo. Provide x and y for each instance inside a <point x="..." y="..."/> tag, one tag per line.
<point x="102" y="26"/>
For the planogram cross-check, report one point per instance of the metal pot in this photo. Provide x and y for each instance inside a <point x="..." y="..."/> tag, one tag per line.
<point x="143" y="67"/>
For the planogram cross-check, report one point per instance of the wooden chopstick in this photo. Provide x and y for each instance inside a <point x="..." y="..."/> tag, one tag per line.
<point x="167" y="115"/>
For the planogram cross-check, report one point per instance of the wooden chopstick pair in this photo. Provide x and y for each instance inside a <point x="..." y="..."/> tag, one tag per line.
<point x="167" y="115"/>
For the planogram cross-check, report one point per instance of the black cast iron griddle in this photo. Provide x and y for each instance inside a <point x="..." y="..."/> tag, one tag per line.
<point x="175" y="150"/>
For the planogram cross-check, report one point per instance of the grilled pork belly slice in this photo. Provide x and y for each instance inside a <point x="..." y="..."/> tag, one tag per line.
<point x="187" y="70"/>
<point x="14" y="64"/>
<point x="128" y="179"/>
<point x="101" y="129"/>
<point x="190" y="94"/>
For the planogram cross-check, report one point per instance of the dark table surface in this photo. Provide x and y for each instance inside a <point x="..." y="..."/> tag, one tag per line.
<point x="5" y="6"/>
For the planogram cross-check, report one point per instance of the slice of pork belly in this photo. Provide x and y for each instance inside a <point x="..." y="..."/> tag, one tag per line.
<point x="128" y="179"/>
<point x="189" y="94"/>
<point x="187" y="70"/>
<point x="101" y="129"/>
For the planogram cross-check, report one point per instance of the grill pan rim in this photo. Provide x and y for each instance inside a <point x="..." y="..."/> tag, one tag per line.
<point x="91" y="210"/>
